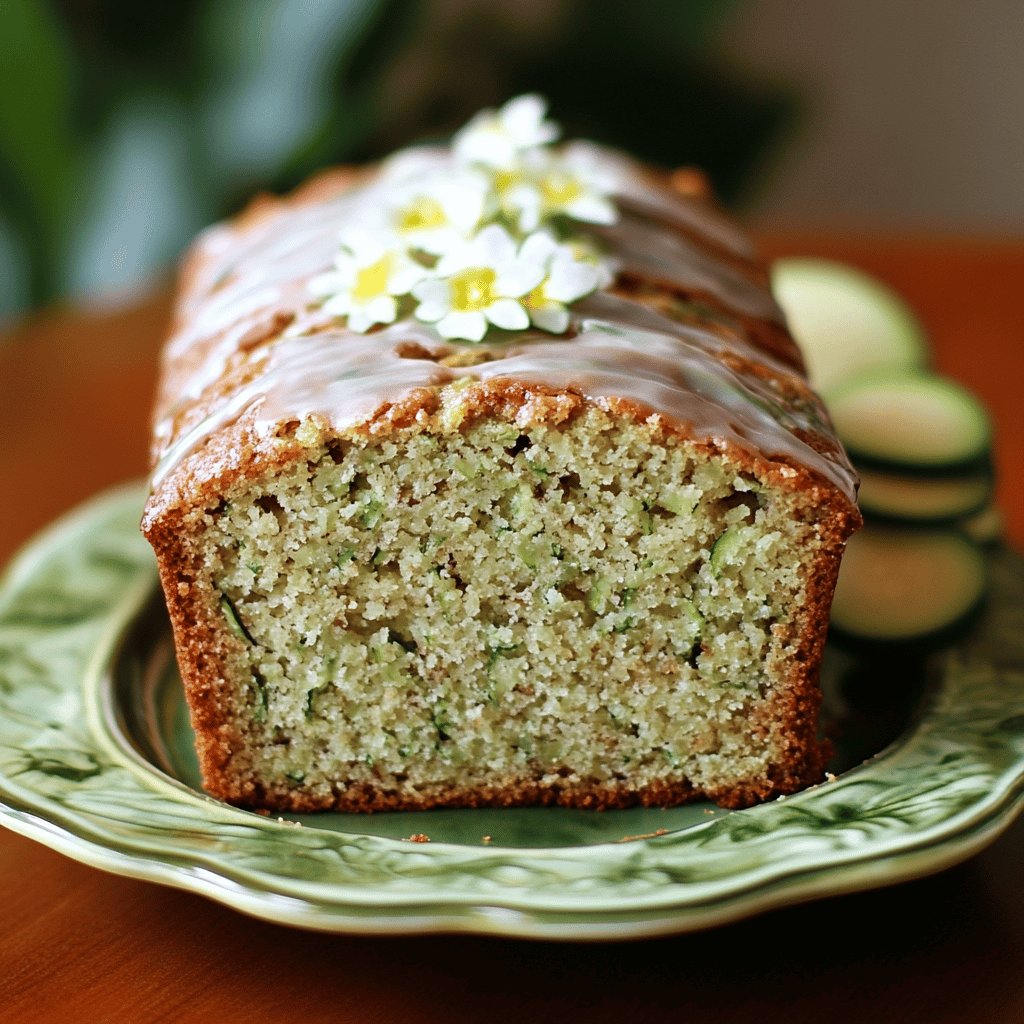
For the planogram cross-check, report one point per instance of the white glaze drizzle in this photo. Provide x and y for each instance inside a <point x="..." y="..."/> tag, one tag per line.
<point x="345" y="379"/>
<point x="636" y="190"/>
<point x="644" y="248"/>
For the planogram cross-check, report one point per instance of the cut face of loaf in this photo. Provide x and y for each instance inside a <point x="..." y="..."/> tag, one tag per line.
<point x="585" y="608"/>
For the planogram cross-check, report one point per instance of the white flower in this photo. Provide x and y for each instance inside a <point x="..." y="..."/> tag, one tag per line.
<point x="585" y="250"/>
<point x="415" y="162"/>
<point x="369" y="272"/>
<point x="479" y="282"/>
<point x="567" y="277"/>
<point x="439" y="211"/>
<point x="549" y="185"/>
<point x="476" y="233"/>
<point x="497" y="138"/>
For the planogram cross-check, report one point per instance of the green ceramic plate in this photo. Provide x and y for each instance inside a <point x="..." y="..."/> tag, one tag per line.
<point x="96" y="761"/>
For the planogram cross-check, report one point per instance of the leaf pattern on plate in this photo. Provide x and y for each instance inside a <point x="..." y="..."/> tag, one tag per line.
<point x="71" y="777"/>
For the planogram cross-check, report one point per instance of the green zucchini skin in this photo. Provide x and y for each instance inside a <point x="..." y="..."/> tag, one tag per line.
<point x="907" y="589"/>
<point x="913" y="423"/>
<point x="923" y="500"/>
<point x="915" y="578"/>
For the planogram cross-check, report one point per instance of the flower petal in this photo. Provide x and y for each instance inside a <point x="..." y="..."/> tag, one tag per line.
<point x="431" y="289"/>
<point x="359" y="322"/>
<point x="338" y="305"/>
<point x="468" y="326"/>
<point x="495" y="245"/>
<point x="570" y="280"/>
<point x="365" y="245"/>
<point x="405" y="276"/>
<point x="463" y="199"/>
<point x="592" y="208"/>
<point x="432" y="310"/>
<point x="523" y="118"/>
<point x="508" y="314"/>
<point x="518" y="278"/>
<point x="552" y="316"/>
<point x="382" y="309"/>
<point x="538" y="248"/>
<point x="460" y="256"/>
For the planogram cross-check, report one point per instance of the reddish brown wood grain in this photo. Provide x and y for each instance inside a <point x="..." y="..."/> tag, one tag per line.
<point x="77" y="944"/>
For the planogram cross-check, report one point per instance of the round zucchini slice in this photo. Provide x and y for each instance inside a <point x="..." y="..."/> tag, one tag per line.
<point x="912" y="421"/>
<point x="845" y="321"/>
<point x="921" y="499"/>
<point x="899" y="585"/>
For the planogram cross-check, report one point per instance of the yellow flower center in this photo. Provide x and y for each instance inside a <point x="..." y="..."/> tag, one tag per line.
<point x="581" y="251"/>
<point x="372" y="281"/>
<point x="560" y="190"/>
<point x="504" y="180"/>
<point x="421" y="214"/>
<point x="538" y="298"/>
<point x="472" y="289"/>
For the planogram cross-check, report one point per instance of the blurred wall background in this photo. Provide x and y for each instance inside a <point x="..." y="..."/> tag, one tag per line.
<point x="126" y="126"/>
<point x="911" y="111"/>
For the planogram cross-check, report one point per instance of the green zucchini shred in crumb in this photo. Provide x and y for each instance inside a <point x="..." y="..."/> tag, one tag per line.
<point x="372" y="512"/>
<point x="441" y="721"/>
<point x="344" y="556"/>
<point x="234" y="621"/>
<point x="726" y="550"/>
<point x="310" y="697"/>
<point x="259" y="712"/>
<point x="646" y="519"/>
<point x="500" y="651"/>
<point x="598" y="594"/>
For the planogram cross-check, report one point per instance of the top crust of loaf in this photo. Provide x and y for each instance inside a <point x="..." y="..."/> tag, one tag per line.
<point x="227" y="329"/>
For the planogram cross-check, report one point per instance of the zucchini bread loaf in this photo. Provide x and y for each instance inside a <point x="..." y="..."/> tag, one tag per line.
<point x="490" y="475"/>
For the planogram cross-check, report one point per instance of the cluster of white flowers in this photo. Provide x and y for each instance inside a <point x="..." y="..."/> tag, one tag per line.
<point x="478" y="239"/>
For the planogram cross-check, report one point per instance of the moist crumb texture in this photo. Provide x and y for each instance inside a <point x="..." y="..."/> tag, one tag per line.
<point x="593" y="613"/>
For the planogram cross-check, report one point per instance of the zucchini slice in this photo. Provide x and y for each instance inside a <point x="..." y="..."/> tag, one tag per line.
<point x="900" y="585"/>
<point x="845" y="321"/>
<point x="912" y="421"/>
<point x="921" y="499"/>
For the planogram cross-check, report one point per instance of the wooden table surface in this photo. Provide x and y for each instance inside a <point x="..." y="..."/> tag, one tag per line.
<point x="80" y="945"/>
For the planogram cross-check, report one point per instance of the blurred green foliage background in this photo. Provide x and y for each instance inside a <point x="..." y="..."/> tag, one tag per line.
<point x="126" y="126"/>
